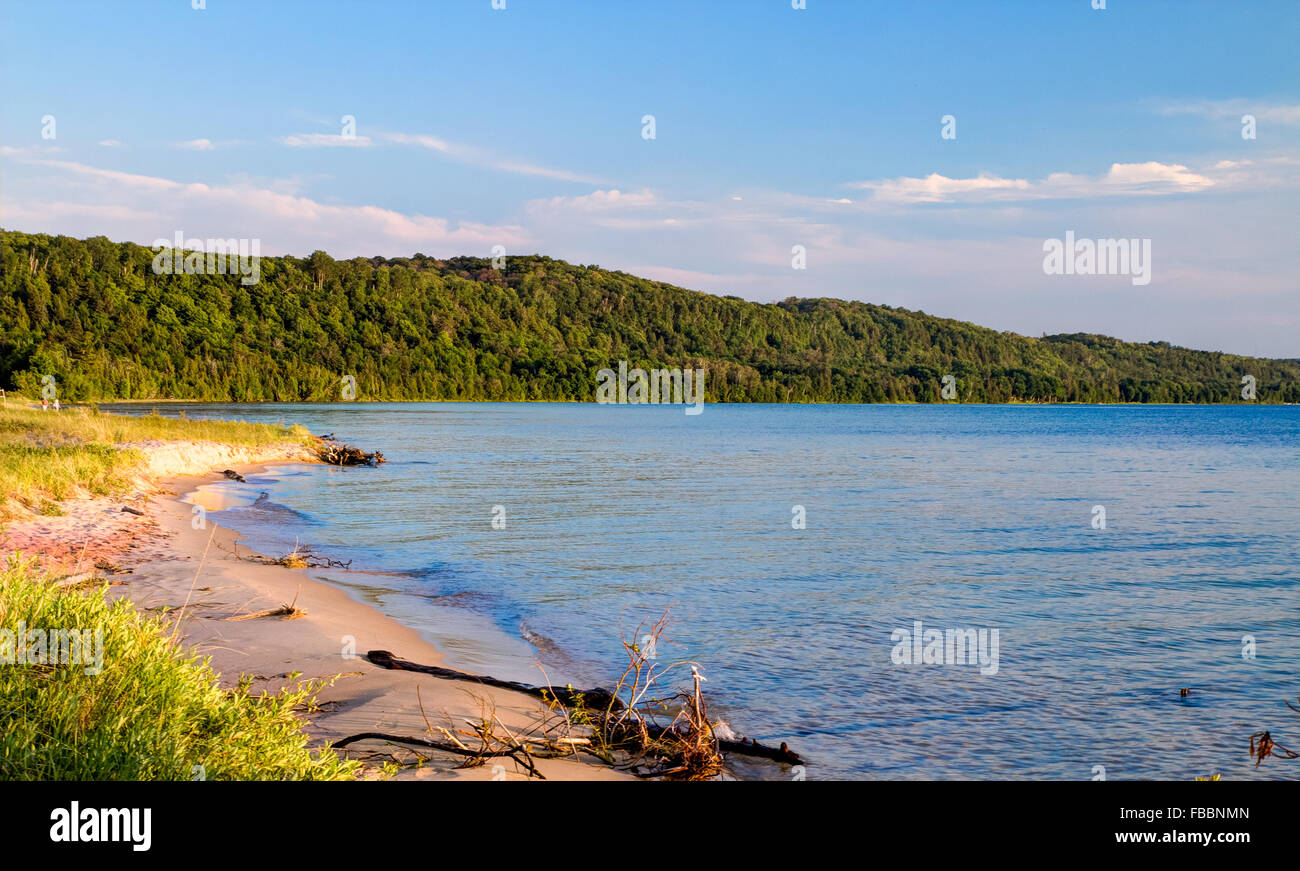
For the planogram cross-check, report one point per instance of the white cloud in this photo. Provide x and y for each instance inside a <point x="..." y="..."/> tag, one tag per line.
<point x="110" y="143"/>
<point x="936" y="188"/>
<point x="1153" y="177"/>
<point x="599" y="201"/>
<point x="1150" y="178"/>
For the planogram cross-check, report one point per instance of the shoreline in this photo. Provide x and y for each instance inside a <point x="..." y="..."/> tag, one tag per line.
<point x="469" y="640"/>
<point x="1008" y="403"/>
<point x="174" y="565"/>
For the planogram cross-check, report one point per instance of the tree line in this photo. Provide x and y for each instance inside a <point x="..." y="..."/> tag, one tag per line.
<point x="95" y="315"/>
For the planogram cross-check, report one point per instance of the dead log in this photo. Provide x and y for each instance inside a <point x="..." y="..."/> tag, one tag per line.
<point x="596" y="699"/>
<point x="750" y="747"/>
<point x="443" y="746"/>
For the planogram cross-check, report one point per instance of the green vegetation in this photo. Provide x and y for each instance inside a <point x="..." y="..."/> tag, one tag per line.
<point x="154" y="712"/>
<point x="46" y="457"/>
<point x="94" y="315"/>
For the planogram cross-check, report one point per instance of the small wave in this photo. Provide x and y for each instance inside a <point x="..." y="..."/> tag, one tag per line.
<point x="468" y="599"/>
<point x="559" y="659"/>
<point x="266" y="511"/>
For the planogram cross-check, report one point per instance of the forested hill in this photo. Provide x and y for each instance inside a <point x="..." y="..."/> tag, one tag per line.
<point x="95" y="315"/>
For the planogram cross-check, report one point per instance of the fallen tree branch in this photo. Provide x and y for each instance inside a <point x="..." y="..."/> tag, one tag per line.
<point x="457" y="749"/>
<point x="599" y="697"/>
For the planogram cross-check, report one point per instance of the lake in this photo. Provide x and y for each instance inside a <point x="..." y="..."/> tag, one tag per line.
<point x="960" y="517"/>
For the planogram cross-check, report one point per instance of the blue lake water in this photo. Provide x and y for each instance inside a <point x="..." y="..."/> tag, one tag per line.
<point x="957" y="516"/>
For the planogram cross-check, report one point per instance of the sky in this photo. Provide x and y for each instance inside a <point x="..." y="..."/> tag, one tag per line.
<point x="915" y="154"/>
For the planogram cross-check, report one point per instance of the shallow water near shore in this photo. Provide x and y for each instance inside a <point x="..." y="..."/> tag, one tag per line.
<point x="960" y="517"/>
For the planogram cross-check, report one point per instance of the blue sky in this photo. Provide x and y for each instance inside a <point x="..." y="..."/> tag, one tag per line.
<point x="774" y="127"/>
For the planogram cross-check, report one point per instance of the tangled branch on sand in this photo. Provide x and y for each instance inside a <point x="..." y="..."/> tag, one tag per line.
<point x="331" y="450"/>
<point x="489" y="738"/>
<point x="622" y="727"/>
<point x="303" y="556"/>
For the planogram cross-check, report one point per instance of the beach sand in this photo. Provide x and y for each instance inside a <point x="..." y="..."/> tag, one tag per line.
<point x="172" y="564"/>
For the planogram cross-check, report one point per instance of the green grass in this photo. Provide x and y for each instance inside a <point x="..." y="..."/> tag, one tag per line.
<point x="46" y="457"/>
<point x="155" y="711"/>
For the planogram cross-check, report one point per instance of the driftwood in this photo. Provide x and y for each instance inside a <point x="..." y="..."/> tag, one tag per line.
<point x="305" y="557"/>
<point x="592" y="698"/>
<point x="750" y="747"/>
<point x="285" y="612"/>
<point x="444" y="746"/>
<point x="334" y="452"/>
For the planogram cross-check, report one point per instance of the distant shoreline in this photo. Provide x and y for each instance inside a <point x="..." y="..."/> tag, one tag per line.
<point x="530" y="327"/>
<point x="345" y="403"/>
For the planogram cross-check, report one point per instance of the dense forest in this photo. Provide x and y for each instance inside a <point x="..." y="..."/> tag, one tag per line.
<point x="93" y="314"/>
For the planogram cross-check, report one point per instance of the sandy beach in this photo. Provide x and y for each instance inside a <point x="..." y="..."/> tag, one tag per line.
<point x="158" y="559"/>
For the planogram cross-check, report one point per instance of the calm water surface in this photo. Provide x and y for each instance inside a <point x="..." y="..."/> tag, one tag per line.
<point x="957" y="516"/>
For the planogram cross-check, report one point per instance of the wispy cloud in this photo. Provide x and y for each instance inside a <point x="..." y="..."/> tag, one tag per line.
<point x="1263" y="110"/>
<point x="28" y="150"/>
<point x="77" y="198"/>
<point x="475" y="156"/>
<point x="602" y="201"/>
<point x="207" y="144"/>
<point x="112" y="175"/>
<point x="469" y="155"/>
<point x="326" y="140"/>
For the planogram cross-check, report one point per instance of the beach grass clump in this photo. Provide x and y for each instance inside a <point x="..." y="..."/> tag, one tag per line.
<point x="48" y="456"/>
<point x="131" y="704"/>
